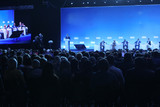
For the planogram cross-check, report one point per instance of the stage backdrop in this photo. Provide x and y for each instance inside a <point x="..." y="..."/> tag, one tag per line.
<point x="91" y="25"/>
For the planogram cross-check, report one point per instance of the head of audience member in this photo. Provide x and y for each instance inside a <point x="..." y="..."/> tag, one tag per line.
<point x="74" y="65"/>
<point x="86" y="54"/>
<point x="102" y="54"/>
<point x="43" y="62"/>
<point x="85" y="65"/>
<point x="27" y="60"/>
<point x="93" y="60"/>
<point x="48" y="70"/>
<point x="20" y="60"/>
<point x="79" y="56"/>
<point x="140" y="63"/>
<point x="55" y="53"/>
<point x="35" y="63"/>
<point x="65" y="66"/>
<point x="110" y="59"/>
<point x="4" y="60"/>
<point x="128" y="58"/>
<point x="12" y="64"/>
<point x="103" y="65"/>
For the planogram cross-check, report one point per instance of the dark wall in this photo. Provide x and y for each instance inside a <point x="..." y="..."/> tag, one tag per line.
<point x="46" y="20"/>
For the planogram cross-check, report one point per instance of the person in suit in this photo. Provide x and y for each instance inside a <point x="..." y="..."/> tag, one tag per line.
<point x="102" y="45"/>
<point x="125" y="44"/>
<point x="137" y="44"/>
<point x="148" y="44"/>
<point x="14" y="27"/>
<point x="114" y="45"/>
<point x="68" y="43"/>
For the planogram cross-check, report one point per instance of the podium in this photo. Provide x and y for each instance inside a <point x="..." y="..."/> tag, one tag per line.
<point x="67" y="44"/>
<point x="80" y="46"/>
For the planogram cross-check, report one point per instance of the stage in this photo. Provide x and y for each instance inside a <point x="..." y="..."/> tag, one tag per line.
<point x="23" y="39"/>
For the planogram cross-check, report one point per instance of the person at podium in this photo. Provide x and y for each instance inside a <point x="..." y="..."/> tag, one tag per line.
<point x="114" y="45"/>
<point x="67" y="42"/>
<point x="148" y="44"/>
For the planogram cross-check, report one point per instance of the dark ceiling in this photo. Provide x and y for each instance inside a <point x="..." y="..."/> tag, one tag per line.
<point x="75" y="3"/>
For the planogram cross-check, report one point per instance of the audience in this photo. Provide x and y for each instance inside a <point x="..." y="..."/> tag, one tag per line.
<point x="61" y="78"/>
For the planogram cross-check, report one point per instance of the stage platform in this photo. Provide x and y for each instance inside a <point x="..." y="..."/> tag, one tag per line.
<point x="23" y="39"/>
<point x="87" y="50"/>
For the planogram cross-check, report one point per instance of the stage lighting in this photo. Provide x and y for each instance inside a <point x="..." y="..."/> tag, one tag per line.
<point x="132" y="37"/>
<point x="76" y="38"/>
<point x="93" y="42"/>
<point x="71" y="3"/>
<point x="151" y="0"/>
<point x="3" y="21"/>
<point x="128" y="1"/>
<point x="155" y="37"/>
<point x="140" y="1"/>
<point x="144" y="37"/>
<point x="98" y="37"/>
<point x="87" y="2"/>
<point x="105" y="2"/>
<point x="116" y="1"/>
<point x="83" y="3"/>
<point x="94" y="2"/>
<point x="8" y="22"/>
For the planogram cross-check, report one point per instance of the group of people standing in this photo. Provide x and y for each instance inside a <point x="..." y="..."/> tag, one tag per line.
<point x="7" y="30"/>
<point x="125" y="44"/>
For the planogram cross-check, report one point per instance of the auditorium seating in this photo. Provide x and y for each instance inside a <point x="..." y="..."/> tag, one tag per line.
<point x="94" y="79"/>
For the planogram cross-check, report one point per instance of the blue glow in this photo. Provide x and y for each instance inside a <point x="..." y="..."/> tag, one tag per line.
<point x="111" y="23"/>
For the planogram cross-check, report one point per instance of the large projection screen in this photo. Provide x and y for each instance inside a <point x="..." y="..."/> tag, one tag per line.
<point x="10" y="33"/>
<point x="91" y="25"/>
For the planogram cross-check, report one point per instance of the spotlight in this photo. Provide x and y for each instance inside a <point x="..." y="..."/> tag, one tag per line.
<point x="87" y="2"/>
<point x="94" y="2"/>
<point x="151" y="0"/>
<point x="116" y="1"/>
<point x="128" y="1"/>
<point x="71" y="3"/>
<point x="140" y="1"/>
<point x="105" y="2"/>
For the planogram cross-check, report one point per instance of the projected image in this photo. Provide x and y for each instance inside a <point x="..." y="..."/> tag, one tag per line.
<point x="10" y="32"/>
<point x="92" y="25"/>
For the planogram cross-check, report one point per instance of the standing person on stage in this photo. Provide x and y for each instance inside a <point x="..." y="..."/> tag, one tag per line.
<point x="67" y="42"/>
<point x="114" y="45"/>
<point x="102" y="46"/>
<point x="125" y="44"/>
<point x="148" y="44"/>
<point x="137" y="44"/>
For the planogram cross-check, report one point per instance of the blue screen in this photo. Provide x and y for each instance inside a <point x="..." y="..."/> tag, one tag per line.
<point x="6" y="17"/>
<point x="8" y="35"/>
<point x="91" y="25"/>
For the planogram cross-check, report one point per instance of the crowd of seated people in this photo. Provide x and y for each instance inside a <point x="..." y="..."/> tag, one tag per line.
<point x="7" y="30"/>
<point x="94" y="79"/>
